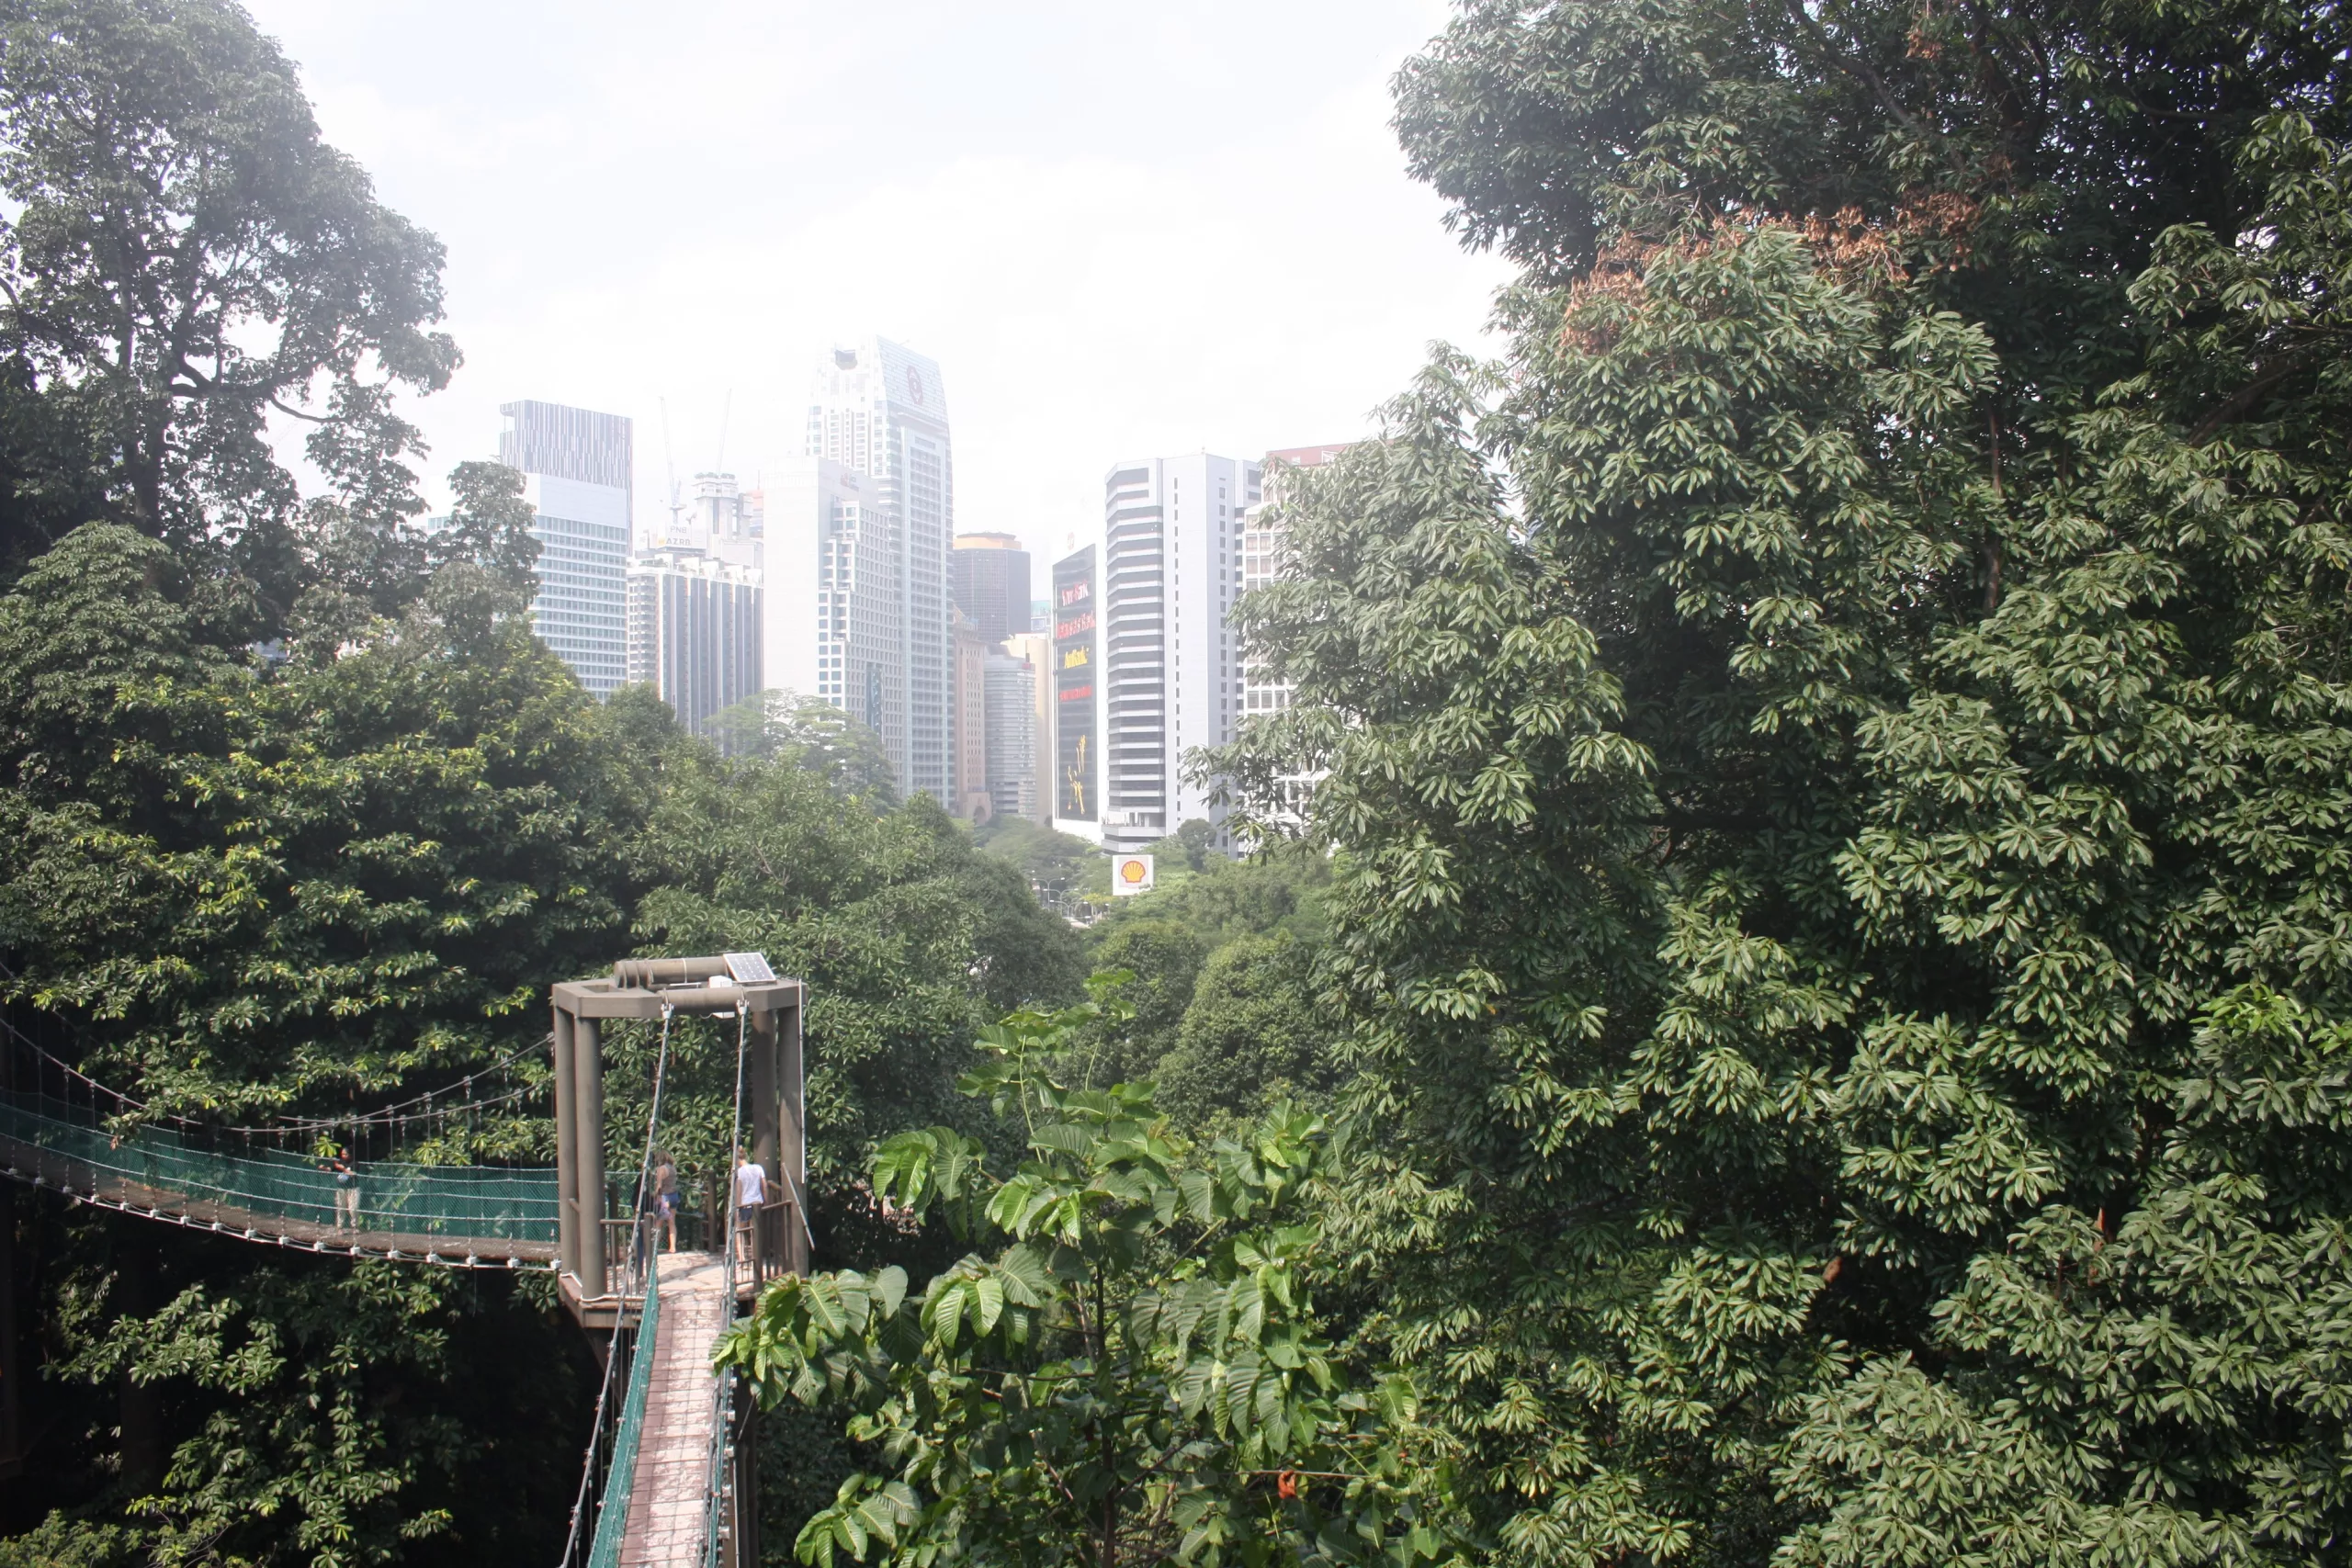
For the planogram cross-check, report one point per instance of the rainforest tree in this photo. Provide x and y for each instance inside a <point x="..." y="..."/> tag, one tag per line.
<point x="1837" y="754"/>
<point x="1128" y="1368"/>
<point x="183" y="262"/>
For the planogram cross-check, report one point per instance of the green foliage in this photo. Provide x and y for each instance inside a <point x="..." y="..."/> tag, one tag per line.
<point x="1191" y="845"/>
<point x="238" y="889"/>
<point x="2139" y="1365"/>
<point x="1131" y="1371"/>
<point x="293" y="1410"/>
<point x="1253" y="1034"/>
<point x="1278" y="889"/>
<point x="360" y="571"/>
<point x="808" y="733"/>
<point x="264" y="888"/>
<point x="1165" y="957"/>
<point x="1835" y="757"/>
<point x="183" y="259"/>
<point x="1067" y="871"/>
<point x="908" y="937"/>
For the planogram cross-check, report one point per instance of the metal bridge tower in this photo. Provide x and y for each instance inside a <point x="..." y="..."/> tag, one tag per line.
<point x="673" y="1482"/>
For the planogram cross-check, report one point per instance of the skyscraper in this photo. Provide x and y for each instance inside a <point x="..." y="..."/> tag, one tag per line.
<point x="990" y="572"/>
<point x="694" y="632"/>
<point x="1264" y="557"/>
<point x="1011" y="735"/>
<point x="881" y="409"/>
<point x="831" y="602"/>
<point x="970" y="653"/>
<point x="1171" y="566"/>
<point x="576" y="467"/>
<point x="1078" y="748"/>
<point x="1037" y="648"/>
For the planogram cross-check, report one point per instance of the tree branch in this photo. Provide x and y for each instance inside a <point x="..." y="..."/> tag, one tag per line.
<point x="297" y="414"/>
<point x="1859" y="69"/>
<point x="2245" y="397"/>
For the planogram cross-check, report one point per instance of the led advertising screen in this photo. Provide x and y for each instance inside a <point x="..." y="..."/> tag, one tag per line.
<point x="1077" y="747"/>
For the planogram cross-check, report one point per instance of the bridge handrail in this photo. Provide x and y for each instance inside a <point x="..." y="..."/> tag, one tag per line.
<point x="606" y="1483"/>
<point x="612" y="1511"/>
<point x="487" y="1203"/>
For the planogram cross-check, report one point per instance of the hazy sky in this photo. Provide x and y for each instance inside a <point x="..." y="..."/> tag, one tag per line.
<point x="1123" y="230"/>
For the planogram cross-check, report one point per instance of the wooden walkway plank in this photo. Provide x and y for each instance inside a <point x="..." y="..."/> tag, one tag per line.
<point x="667" y="1495"/>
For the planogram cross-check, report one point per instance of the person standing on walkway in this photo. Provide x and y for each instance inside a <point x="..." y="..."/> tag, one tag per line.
<point x="751" y="1192"/>
<point x="346" y="1186"/>
<point x="666" y="1199"/>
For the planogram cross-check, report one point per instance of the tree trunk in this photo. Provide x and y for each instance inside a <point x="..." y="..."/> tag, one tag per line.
<point x="142" y="1405"/>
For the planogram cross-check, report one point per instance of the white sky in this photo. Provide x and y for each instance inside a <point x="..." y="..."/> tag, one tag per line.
<point x="1124" y="229"/>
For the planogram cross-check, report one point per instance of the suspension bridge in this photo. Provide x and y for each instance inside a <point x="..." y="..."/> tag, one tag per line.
<point x="667" y="1478"/>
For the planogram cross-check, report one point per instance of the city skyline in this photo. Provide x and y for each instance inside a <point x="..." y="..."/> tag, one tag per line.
<point x="1233" y="259"/>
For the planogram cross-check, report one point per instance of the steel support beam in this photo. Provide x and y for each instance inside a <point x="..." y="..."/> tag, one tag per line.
<point x="792" y="1081"/>
<point x="588" y="1141"/>
<point x="566" y="1150"/>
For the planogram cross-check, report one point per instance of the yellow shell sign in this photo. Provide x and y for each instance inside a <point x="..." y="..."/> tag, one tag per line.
<point x="1130" y="874"/>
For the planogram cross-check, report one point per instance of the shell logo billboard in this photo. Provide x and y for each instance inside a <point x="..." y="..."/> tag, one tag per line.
<point x="1130" y="874"/>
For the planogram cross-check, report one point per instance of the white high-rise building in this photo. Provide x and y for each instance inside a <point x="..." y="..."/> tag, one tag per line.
<point x="1265" y="556"/>
<point x="694" y="632"/>
<point x="1037" y="650"/>
<point x="880" y="409"/>
<point x="1012" y="704"/>
<point x="1171" y="668"/>
<point x="576" y="473"/>
<point x="832" y="602"/>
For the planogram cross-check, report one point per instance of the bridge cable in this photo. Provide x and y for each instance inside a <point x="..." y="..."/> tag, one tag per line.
<point x="386" y="1115"/>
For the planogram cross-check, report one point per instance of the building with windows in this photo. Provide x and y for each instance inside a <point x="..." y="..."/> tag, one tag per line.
<point x="694" y="632"/>
<point x="576" y="467"/>
<point x="1171" y="570"/>
<point x="831" y="602"/>
<point x="1265" y="558"/>
<point x="1037" y="650"/>
<point x="1078" y="704"/>
<point x="1012" y="689"/>
<point x="969" y="656"/>
<point x="880" y="409"/>
<point x="990" y="572"/>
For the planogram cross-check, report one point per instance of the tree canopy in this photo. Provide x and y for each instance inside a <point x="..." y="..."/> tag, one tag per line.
<point x="1835" y="755"/>
<point x="183" y="262"/>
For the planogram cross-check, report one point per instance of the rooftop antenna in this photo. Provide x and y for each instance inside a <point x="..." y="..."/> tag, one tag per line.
<point x="670" y="469"/>
<point x="727" y="411"/>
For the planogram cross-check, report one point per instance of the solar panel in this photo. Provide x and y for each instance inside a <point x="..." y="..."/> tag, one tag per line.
<point x="749" y="968"/>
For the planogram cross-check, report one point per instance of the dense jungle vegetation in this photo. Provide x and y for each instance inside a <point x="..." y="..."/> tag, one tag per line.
<point x="1833" y="763"/>
<point x="1805" y="1023"/>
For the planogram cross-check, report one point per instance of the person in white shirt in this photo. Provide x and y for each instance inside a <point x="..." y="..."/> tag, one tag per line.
<point x="751" y="1192"/>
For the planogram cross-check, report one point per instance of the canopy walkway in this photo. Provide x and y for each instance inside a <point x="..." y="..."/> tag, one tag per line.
<point x="668" y="1477"/>
<point x="460" y="1217"/>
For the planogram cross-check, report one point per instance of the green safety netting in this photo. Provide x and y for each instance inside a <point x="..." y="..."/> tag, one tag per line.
<point x="612" y="1508"/>
<point x="425" y="1200"/>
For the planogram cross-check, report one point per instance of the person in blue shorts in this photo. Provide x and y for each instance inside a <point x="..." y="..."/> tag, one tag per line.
<point x="666" y="1199"/>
